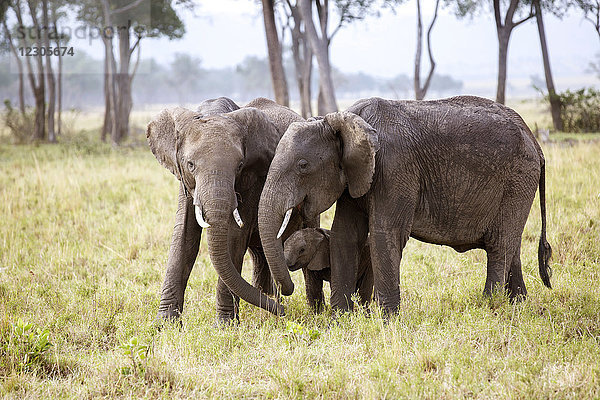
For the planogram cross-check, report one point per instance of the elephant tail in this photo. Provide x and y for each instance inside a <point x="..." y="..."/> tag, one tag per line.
<point x="544" y="250"/>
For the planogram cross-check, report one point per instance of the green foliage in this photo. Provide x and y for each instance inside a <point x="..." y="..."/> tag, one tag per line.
<point x="19" y="125"/>
<point x="296" y="333"/>
<point x="580" y="110"/>
<point x="138" y="355"/>
<point x="24" y="348"/>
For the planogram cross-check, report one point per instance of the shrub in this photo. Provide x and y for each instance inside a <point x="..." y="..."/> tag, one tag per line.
<point x="20" y="125"/>
<point x="23" y="348"/>
<point x="580" y="110"/>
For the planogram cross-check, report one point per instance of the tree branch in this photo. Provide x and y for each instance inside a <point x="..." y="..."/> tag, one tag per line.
<point x="431" y="60"/>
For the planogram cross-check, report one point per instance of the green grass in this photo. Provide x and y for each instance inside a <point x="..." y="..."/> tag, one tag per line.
<point x="84" y="233"/>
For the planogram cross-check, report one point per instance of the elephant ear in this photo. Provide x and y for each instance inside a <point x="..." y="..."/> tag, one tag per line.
<point x="359" y="145"/>
<point x="162" y="134"/>
<point x="320" y="260"/>
<point x="259" y="137"/>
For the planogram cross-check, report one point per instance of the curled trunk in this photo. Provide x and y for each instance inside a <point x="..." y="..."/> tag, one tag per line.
<point x="218" y="249"/>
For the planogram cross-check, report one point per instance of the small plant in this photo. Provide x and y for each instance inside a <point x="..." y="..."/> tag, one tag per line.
<point x="27" y="347"/>
<point x="138" y="354"/>
<point x="296" y="333"/>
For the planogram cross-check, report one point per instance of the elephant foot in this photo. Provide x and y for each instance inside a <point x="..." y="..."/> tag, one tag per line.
<point x="166" y="315"/>
<point x="226" y="319"/>
<point x="517" y="295"/>
<point x="515" y="289"/>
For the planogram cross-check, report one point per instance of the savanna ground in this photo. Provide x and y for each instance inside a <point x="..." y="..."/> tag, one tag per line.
<point x="84" y="234"/>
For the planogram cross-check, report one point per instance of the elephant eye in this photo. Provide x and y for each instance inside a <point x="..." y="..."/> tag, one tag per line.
<point x="301" y="250"/>
<point x="302" y="165"/>
<point x="190" y="166"/>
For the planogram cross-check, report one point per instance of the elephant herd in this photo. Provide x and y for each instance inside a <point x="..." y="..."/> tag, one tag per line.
<point x="460" y="172"/>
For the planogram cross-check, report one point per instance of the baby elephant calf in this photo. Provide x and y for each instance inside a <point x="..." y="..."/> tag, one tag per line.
<point x="309" y="249"/>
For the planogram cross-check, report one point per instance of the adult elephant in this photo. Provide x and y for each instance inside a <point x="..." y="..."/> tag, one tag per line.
<point x="461" y="172"/>
<point x="221" y="155"/>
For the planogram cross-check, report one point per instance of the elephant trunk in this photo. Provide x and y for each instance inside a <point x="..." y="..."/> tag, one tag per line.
<point x="218" y="213"/>
<point x="270" y="223"/>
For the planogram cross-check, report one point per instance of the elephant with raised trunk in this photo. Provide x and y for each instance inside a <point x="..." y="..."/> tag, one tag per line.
<point x="221" y="154"/>
<point x="308" y="249"/>
<point x="460" y="172"/>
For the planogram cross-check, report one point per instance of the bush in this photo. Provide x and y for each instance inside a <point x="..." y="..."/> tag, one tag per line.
<point x="580" y="110"/>
<point x="19" y="125"/>
<point x="23" y="348"/>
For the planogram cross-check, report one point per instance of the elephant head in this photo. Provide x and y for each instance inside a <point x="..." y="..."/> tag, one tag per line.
<point x="218" y="159"/>
<point x="314" y="163"/>
<point x="307" y="248"/>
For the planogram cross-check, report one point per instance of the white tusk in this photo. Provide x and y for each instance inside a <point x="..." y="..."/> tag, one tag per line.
<point x="286" y="219"/>
<point x="238" y="219"/>
<point x="199" y="217"/>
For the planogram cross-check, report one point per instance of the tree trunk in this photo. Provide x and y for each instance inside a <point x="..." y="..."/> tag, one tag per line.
<point x="320" y="48"/>
<point x="124" y="87"/>
<point x="417" y="78"/>
<point x="504" y="30"/>
<point x="421" y="91"/>
<point x="280" y="87"/>
<point x="503" y="39"/>
<point x="39" y="89"/>
<point x="13" y="50"/>
<point x="106" y="126"/>
<point x="49" y="75"/>
<point x="59" y="77"/>
<point x="110" y="75"/>
<point x="302" y="62"/>
<point x="554" y="99"/>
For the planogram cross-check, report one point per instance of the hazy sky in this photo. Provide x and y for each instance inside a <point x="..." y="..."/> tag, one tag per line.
<point x="223" y="32"/>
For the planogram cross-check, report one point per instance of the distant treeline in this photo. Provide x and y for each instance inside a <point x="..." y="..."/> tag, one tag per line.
<point x="186" y="81"/>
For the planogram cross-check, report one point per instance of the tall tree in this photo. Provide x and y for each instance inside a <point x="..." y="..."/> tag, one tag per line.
<point x="421" y="91"/>
<point x="302" y="55"/>
<point x="49" y="72"/>
<point x="320" y="48"/>
<point x="504" y="28"/>
<point x="123" y="19"/>
<point x="348" y="11"/>
<point x="36" y="78"/>
<point x="555" y="106"/>
<point x="13" y="49"/>
<point x="505" y="24"/>
<point x="280" y="87"/>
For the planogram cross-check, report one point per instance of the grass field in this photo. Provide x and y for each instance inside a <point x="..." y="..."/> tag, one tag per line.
<point x="84" y="233"/>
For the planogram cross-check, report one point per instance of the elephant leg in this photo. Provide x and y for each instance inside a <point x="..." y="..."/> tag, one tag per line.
<point x="390" y="225"/>
<point x="313" y="283"/>
<point x="499" y="260"/>
<point x="386" y="254"/>
<point x="228" y="304"/>
<point x="261" y="276"/>
<point x="364" y="284"/>
<point x="348" y="235"/>
<point x="184" y="248"/>
<point x="515" y="285"/>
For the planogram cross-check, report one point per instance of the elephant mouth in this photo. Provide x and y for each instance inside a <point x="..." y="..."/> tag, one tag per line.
<point x="294" y="267"/>
<point x="199" y="212"/>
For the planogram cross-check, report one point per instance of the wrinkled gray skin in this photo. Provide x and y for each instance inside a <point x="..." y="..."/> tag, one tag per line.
<point x="221" y="155"/>
<point x="460" y="172"/>
<point x="308" y="249"/>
